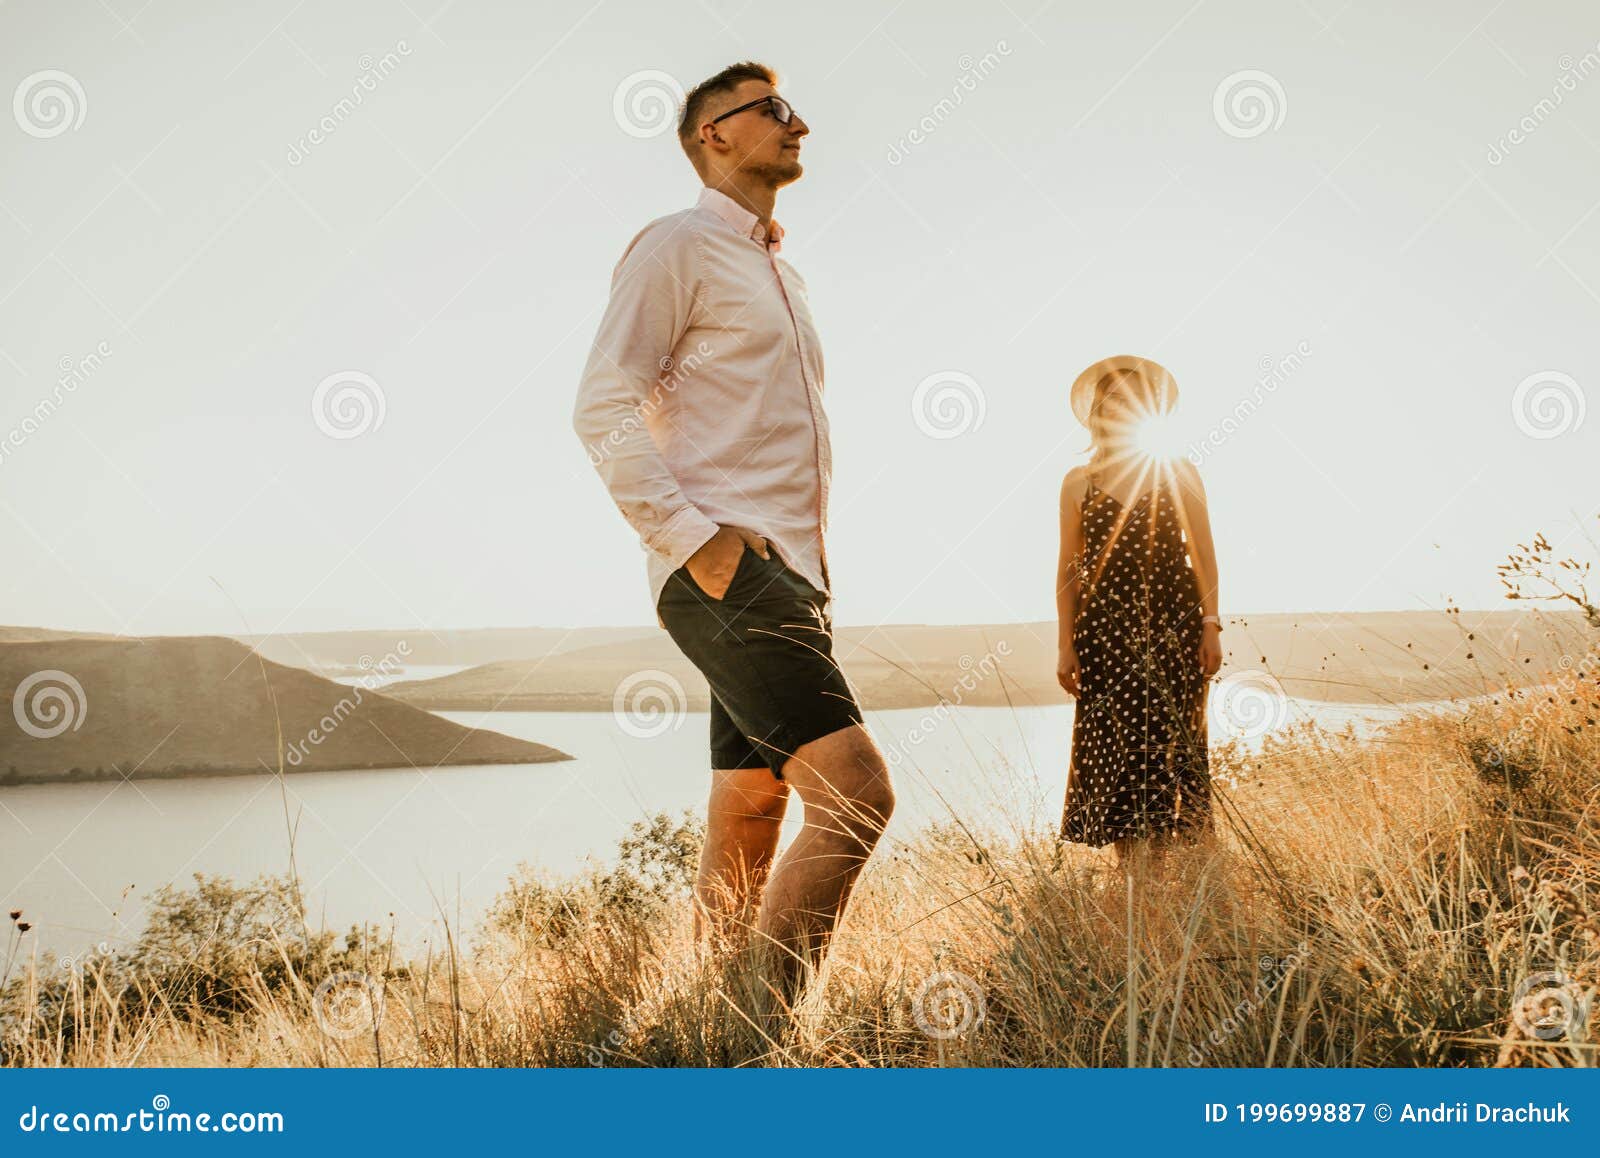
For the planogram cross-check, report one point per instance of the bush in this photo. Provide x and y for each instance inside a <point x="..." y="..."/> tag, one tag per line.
<point x="217" y="950"/>
<point x="655" y="866"/>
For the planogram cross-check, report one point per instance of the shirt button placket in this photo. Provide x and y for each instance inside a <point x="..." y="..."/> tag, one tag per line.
<point x="824" y="457"/>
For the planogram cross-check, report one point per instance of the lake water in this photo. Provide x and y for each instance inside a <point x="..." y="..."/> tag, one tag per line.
<point x="80" y="859"/>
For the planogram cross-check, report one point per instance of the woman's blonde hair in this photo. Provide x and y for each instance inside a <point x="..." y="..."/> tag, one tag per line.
<point x="1159" y="390"/>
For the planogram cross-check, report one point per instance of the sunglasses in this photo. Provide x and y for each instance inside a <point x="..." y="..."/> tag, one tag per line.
<point x="781" y="110"/>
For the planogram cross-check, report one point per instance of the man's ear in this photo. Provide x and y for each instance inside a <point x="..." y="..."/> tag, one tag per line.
<point x="711" y="137"/>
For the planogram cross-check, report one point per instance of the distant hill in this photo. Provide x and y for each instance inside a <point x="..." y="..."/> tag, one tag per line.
<point x="1403" y="656"/>
<point x="38" y="634"/>
<point x="190" y="705"/>
<point x="893" y="667"/>
<point x="1367" y="657"/>
<point x="342" y="651"/>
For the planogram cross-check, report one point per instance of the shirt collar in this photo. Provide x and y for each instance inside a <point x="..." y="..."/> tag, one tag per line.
<point x="740" y="219"/>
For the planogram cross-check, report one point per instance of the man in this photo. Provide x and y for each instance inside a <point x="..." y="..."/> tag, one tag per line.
<point x="701" y="407"/>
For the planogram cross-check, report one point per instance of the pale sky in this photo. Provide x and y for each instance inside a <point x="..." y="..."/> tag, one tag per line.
<point x="452" y="235"/>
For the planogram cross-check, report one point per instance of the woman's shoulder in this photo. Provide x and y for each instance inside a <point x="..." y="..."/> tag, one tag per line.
<point x="1187" y="473"/>
<point x="1074" y="485"/>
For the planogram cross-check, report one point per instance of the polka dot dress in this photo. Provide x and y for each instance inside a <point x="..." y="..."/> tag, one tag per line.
<point x="1139" y="762"/>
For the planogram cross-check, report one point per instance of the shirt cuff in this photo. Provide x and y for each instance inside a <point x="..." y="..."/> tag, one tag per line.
<point x="684" y="534"/>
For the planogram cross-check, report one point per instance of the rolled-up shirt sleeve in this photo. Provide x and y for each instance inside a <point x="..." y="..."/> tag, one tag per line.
<point x="653" y="299"/>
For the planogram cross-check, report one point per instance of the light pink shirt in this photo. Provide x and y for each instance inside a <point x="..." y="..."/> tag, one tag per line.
<point x="701" y="403"/>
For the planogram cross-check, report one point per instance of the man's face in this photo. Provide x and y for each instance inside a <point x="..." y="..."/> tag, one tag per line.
<point x="756" y="143"/>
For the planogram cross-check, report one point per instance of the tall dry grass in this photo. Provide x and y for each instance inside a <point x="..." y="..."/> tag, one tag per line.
<point x="1368" y="902"/>
<point x="1425" y="896"/>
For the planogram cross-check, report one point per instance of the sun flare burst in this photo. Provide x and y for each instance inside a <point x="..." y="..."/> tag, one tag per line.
<point x="1158" y="437"/>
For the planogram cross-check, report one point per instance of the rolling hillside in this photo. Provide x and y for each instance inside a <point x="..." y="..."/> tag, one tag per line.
<point x="1370" y="657"/>
<point x="201" y="705"/>
<point x="428" y="647"/>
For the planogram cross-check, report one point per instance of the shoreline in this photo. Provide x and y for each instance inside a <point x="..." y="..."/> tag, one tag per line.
<point x="233" y="771"/>
<point x="537" y="702"/>
<point x="592" y="705"/>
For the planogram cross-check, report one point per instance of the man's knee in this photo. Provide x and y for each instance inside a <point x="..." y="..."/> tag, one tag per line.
<point x="877" y="790"/>
<point x="851" y="769"/>
<point x="766" y="801"/>
<point x="873" y="805"/>
<point x="874" y="789"/>
<point x="748" y="793"/>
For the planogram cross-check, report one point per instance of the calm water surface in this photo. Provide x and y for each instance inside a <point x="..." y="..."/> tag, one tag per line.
<point x="80" y="859"/>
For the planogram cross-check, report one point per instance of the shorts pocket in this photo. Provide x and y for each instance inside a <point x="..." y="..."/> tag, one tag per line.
<point x="738" y="570"/>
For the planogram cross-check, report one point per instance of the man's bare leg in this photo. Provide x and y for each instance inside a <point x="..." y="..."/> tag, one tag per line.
<point x="743" y="820"/>
<point x="843" y="781"/>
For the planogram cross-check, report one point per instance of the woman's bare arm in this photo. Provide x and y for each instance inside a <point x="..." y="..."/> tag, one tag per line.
<point x="1195" y="517"/>
<point x="1068" y="561"/>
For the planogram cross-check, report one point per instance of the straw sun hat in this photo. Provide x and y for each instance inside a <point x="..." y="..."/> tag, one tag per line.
<point x="1164" y="388"/>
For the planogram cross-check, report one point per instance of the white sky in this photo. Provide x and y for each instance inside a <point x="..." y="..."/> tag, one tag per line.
<point x="453" y="238"/>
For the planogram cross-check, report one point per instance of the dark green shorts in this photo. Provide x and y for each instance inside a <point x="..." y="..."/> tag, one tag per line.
<point x="766" y="650"/>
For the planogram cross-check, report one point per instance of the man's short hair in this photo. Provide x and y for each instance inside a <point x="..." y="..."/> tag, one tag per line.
<point x="725" y="81"/>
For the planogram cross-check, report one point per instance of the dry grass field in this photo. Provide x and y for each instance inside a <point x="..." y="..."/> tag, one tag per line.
<point x="1425" y="896"/>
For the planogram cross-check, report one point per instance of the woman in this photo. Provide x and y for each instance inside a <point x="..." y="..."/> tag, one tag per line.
<point x="1136" y="593"/>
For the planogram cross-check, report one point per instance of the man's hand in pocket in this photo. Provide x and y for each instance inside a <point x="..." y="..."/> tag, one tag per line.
<point x="713" y="565"/>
